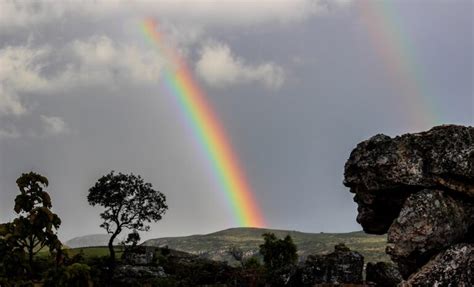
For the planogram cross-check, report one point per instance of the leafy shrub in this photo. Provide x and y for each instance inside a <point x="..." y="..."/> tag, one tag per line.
<point x="75" y="275"/>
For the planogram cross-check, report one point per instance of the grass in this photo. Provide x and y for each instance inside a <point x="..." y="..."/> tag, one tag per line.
<point x="87" y="252"/>
<point x="215" y="245"/>
<point x="98" y="251"/>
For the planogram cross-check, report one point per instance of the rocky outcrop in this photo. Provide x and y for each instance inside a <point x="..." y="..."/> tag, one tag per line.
<point x="430" y="221"/>
<point x="139" y="255"/>
<point x="382" y="274"/>
<point x="453" y="267"/>
<point x="383" y="172"/>
<point x="131" y="275"/>
<point x="418" y="188"/>
<point x="341" y="266"/>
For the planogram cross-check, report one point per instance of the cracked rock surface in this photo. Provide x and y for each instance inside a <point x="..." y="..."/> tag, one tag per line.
<point x="453" y="267"/>
<point x="418" y="188"/>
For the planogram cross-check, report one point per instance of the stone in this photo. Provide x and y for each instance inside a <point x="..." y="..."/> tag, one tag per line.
<point x="453" y="267"/>
<point x="130" y="274"/>
<point x="419" y="188"/>
<point x="382" y="274"/>
<point x="384" y="171"/>
<point x="340" y="266"/>
<point x="429" y="221"/>
<point x="139" y="255"/>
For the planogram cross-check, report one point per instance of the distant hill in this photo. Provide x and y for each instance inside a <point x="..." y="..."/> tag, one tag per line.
<point x="88" y="241"/>
<point x="215" y="245"/>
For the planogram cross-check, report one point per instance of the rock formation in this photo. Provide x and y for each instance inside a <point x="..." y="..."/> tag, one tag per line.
<point x="418" y="188"/>
<point x="382" y="274"/>
<point x="139" y="255"/>
<point x="340" y="266"/>
<point x="454" y="266"/>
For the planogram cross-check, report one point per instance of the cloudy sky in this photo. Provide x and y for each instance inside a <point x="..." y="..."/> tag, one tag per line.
<point x="296" y="84"/>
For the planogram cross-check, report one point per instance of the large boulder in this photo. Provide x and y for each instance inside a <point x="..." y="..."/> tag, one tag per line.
<point x="429" y="221"/>
<point x="340" y="266"/>
<point x="453" y="267"/>
<point x="420" y="189"/>
<point x="384" y="171"/>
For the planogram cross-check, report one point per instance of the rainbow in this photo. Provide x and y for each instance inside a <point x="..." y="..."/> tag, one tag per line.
<point x="394" y="47"/>
<point x="208" y="131"/>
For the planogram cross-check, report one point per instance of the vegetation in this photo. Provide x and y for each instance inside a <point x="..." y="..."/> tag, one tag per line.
<point x="34" y="228"/>
<point x="216" y="245"/>
<point x="32" y="255"/>
<point x="129" y="203"/>
<point x="279" y="256"/>
<point x="278" y="253"/>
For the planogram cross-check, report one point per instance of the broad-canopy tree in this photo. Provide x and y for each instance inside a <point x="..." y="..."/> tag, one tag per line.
<point x="129" y="202"/>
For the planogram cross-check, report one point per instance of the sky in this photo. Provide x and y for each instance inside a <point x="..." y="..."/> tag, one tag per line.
<point x="296" y="84"/>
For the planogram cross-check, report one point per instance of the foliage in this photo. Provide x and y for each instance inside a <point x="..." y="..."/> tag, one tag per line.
<point x="252" y="263"/>
<point x="278" y="252"/>
<point x="132" y="239"/>
<point x="129" y="203"/>
<point x="75" y="275"/>
<point x="279" y="257"/>
<point x="33" y="229"/>
<point x="215" y="246"/>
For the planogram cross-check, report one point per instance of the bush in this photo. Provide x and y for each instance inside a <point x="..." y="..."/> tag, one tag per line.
<point x="279" y="256"/>
<point x="75" y="275"/>
<point x="252" y="263"/>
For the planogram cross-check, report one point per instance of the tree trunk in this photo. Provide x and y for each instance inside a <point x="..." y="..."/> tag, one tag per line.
<point x="111" y="245"/>
<point x="30" y="255"/>
<point x="30" y="260"/>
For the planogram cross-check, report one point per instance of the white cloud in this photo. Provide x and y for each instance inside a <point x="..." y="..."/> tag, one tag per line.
<point x="205" y="12"/>
<point x="20" y="69"/>
<point x="219" y="67"/>
<point x="95" y="61"/>
<point x="26" y="13"/>
<point x="101" y="60"/>
<point x="10" y="103"/>
<point x="54" y="125"/>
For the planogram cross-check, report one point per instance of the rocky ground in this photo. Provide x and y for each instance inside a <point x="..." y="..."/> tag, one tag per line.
<point x="419" y="189"/>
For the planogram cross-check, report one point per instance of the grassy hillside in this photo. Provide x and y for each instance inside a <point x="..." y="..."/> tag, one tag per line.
<point x="88" y="241"/>
<point x="215" y="245"/>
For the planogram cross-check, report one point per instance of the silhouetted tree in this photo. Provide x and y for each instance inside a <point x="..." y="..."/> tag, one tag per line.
<point x="132" y="239"/>
<point x="129" y="203"/>
<point x="279" y="257"/>
<point x="36" y="225"/>
<point x="278" y="252"/>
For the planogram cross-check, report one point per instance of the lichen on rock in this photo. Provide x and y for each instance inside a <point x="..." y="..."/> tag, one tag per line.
<point x="418" y="188"/>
